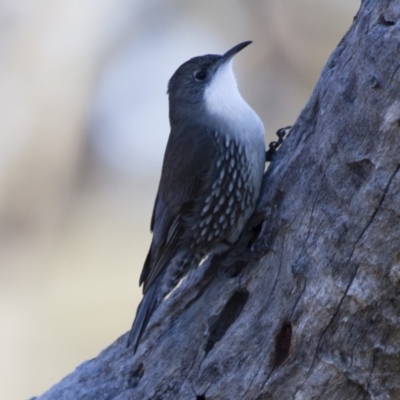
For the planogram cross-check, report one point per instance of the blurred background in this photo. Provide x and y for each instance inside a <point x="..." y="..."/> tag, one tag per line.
<point x="83" y="127"/>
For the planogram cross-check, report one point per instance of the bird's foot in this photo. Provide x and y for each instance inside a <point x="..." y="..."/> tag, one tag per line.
<point x="273" y="146"/>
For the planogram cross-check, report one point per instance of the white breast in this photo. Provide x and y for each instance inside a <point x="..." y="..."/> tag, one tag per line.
<point x="222" y="99"/>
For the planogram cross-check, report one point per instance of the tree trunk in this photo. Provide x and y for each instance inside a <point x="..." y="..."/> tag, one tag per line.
<point x="310" y="307"/>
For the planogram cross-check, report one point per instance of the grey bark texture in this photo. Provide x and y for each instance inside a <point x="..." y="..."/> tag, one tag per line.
<point x="307" y="305"/>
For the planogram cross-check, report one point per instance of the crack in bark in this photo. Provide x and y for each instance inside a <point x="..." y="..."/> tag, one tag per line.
<point x="298" y="299"/>
<point x="359" y="239"/>
<point x="351" y="255"/>
<point x="351" y="279"/>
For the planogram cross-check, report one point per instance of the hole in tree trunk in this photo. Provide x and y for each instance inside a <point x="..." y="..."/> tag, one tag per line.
<point x="226" y="318"/>
<point x="384" y="20"/>
<point x="135" y="376"/>
<point x="282" y="343"/>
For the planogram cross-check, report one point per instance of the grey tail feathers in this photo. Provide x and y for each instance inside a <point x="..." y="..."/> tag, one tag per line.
<point x="146" y="308"/>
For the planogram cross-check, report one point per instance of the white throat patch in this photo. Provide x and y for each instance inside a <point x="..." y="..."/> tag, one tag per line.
<point x="222" y="97"/>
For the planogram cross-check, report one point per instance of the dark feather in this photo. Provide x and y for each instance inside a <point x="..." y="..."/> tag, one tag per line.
<point x="143" y="314"/>
<point x="190" y="156"/>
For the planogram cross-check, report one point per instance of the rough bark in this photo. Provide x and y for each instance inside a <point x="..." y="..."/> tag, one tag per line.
<point x="313" y="311"/>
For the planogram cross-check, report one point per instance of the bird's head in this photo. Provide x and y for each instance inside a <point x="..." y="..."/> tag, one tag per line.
<point x="204" y="83"/>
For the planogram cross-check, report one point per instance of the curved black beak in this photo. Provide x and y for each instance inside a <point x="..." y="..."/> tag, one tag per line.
<point x="234" y="50"/>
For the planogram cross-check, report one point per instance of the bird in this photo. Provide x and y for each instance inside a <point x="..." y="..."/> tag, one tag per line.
<point x="210" y="180"/>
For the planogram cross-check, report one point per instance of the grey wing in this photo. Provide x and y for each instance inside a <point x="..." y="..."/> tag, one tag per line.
<point x="187" y="173"/>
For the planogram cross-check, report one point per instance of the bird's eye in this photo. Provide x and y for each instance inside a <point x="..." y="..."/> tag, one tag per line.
<point x="200" y="75"/>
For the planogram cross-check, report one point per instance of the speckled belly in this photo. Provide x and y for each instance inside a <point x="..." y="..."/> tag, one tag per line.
<point x="232" y="196"/>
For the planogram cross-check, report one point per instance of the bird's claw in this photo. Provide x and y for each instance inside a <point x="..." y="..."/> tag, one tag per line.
<point x="273" y="146"/>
